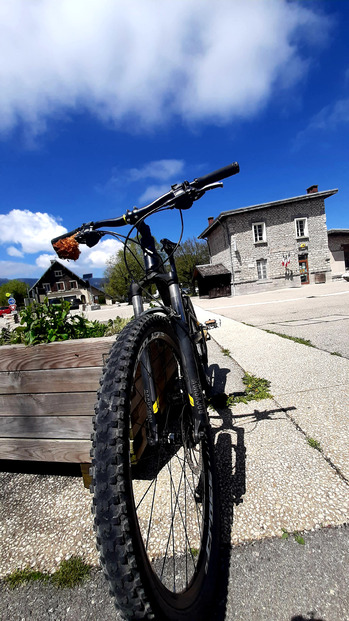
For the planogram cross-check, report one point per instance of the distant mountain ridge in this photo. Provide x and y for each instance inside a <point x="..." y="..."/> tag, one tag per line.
<point x="96" y="282"/>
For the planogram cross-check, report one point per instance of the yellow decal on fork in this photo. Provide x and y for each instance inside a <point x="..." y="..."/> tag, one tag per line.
<point x="156" y="406"/>
<point x="191" y="400"/>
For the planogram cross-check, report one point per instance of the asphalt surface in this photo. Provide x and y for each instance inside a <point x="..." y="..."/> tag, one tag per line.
<point x="273" y="580"/>
<point x="319" y="313"/>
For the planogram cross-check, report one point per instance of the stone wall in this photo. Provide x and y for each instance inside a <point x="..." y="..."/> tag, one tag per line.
<point x="241" y="258"/>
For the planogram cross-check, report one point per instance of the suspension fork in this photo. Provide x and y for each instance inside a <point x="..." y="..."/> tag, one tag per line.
<point x="188" y="359"/>
<point x="150" y="396"/>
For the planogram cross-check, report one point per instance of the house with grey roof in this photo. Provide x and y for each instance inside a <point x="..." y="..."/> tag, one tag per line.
<point x="273" y="245"/>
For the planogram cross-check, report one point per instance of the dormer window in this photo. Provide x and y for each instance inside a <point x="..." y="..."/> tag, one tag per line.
<point x="58" y="273"/>
<point x="259" y="232"/>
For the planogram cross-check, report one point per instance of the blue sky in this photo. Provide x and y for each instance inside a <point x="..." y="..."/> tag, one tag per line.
<point x="105" y="103"/>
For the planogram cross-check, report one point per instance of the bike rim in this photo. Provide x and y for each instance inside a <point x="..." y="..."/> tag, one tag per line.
<point x="169" y="482"/>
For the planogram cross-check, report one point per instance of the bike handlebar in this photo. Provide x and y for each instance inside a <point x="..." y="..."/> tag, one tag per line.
<point x="217" y="175"/>
<point x="181" y="196"/>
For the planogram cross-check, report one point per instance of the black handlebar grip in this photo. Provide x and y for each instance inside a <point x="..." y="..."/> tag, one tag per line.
<point x="217" y="175"/>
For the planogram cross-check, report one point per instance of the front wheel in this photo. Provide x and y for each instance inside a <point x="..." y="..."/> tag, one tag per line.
<point x="155" y="507"/>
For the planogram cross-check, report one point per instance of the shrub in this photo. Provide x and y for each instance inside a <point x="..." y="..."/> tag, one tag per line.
<point x="45" y="323"/>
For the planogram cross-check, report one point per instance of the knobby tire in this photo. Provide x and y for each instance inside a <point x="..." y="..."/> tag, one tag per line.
<point x="155" y="508"/>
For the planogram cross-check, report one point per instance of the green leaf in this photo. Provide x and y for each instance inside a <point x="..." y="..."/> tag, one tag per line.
<point x="299" y="540"/>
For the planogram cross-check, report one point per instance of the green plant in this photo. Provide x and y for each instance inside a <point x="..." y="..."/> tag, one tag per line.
<point x="257" y="388"/>
<point x="295" y="339"/>
<point x="20" y="576"/>
<point x="336" y="353"/>
<point x="70" y="573"/>
<point x="47" y="323"/>
<point x="225" y="351"/>
<point x="115" y="326"/>
<point x="314" y="444"/>
<point x="297" y="536"/>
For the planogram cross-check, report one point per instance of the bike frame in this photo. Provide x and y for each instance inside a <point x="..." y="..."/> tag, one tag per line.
<point x="171" y="296"/>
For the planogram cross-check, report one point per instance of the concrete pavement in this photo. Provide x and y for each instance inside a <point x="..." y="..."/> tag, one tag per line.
<point x="288" y="484"/>
<point x="272" y="481"/>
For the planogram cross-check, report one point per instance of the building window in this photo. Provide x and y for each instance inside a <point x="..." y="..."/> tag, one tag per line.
<point x="262" y="269"/>
<point x="60" y="286"/>
<point x="259" y="232"/>
<point x="47" y="287"/>
<point x="73" y="284"/>
<point x="58" y="273"/>
<point x="301" y="227"/>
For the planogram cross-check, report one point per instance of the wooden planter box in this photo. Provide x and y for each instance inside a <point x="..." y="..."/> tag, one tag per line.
<point x="47" y="397"/>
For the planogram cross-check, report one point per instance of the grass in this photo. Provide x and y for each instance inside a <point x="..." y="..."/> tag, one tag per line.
<point x="297" y="536"/>
<point x="295" y="339"/>
<point x="314" y="444"/>
<point x="336" y="353"/>
<point x="225" y="351"/>
<point x="71" y="572"/>
<point x="257" y="388"/>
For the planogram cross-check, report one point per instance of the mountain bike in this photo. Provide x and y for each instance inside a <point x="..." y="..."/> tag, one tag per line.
<point x="155" y="502"/>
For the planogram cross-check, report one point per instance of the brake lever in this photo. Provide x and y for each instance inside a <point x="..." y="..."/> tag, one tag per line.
<point x="212" y="186"/>
<point x="89" y="237"/>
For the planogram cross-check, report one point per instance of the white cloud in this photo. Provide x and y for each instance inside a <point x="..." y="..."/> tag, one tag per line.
<point x="152" y="192"/>
<point x="31" y="231"/>
<point x="14" y="252"/>
<point x="139" y="63"/>
<point x="328" y="119"/>
<point x="160" y="170"/>
<point x="11" y="269"/>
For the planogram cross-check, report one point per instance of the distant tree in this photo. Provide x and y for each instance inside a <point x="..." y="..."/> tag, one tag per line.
<point x="18" y="290"/>
<point x="190" y="253"/>
<point x="117" y="275"/>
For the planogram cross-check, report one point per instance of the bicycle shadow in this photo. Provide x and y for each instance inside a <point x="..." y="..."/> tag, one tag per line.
<point x="232" y="487"/>
<point x="229" y="437"/>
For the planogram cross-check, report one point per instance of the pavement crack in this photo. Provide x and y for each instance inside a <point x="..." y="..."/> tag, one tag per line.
<point x="327" y="459"/>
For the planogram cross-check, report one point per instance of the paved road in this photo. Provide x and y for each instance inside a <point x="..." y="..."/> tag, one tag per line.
<point x="274" y="580"/>
<point x="319" y="313"/>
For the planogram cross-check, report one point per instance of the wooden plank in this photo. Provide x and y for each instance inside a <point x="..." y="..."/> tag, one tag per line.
<point x="48" y="404"/>
<point x="55" y="427"/>
<point x="74" y="451"/>
<point x="55" y="380"/>
<point x="62" y="355"/>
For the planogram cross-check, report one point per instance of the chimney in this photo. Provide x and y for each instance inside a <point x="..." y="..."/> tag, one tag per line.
<point x="210" y="220"/>
<point x="312" y="189"/>
<point x="52" y="261"/>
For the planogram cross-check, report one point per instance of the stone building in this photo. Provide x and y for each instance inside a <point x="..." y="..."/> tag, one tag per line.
<point x="338" y="243"/>
<point x="273" y="245"/>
